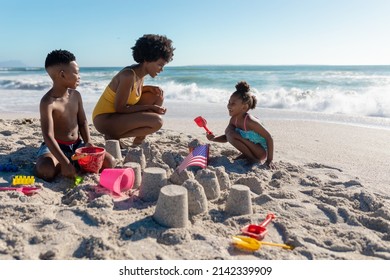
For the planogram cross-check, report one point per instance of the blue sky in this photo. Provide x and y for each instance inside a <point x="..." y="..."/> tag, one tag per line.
<point x="259" y="32"/>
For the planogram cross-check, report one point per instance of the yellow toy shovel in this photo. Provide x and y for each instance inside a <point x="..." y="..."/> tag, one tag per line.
<point x="250" y="244"/>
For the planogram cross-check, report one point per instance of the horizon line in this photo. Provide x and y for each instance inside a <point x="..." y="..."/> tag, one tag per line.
<point x="213" y="65"/>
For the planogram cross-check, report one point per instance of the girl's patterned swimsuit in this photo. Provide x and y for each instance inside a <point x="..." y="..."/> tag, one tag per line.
<point x="251" y="135"/>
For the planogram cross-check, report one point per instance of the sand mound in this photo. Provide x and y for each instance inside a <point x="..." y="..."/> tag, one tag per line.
<point x="320" y="210"/>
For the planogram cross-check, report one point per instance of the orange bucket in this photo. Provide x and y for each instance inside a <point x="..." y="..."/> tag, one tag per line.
<point x="90" y="159"/>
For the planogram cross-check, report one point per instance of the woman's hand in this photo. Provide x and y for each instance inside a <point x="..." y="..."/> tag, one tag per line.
<point x="159" y="109"/>
<point x="158" y="91"/>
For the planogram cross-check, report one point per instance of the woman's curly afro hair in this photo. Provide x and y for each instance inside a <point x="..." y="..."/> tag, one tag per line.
<point x="151" y="47"/>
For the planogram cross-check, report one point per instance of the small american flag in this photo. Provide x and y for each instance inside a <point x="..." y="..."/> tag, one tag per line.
<point x="198" y="157"/>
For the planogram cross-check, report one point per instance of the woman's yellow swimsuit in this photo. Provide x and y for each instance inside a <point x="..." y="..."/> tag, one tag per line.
<point x="107" y="99"/>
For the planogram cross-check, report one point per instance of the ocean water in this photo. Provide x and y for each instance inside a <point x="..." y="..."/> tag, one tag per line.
<point x="339" y="92"/>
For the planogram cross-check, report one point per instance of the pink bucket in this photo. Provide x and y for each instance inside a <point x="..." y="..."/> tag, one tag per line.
<point x="117" y="180"/>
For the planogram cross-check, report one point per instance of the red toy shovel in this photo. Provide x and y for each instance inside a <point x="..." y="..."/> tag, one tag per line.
<point x="258" y="231"/>
<point x="27" y="190"/>
<point x="201" y="122"/>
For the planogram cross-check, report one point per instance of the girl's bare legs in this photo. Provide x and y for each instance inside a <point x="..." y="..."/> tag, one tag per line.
<point x="248" y="149"/>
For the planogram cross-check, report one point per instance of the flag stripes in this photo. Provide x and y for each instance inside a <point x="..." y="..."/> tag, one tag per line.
<point x="198" y="157"/>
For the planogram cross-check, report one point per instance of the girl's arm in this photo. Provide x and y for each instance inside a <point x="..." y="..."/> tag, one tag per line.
<point x="220" y="139"/>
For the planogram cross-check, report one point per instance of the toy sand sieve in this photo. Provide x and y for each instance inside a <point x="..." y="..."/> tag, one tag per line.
<point x="90" y="159"/>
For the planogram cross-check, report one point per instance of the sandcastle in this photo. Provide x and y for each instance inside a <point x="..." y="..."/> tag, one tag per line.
<point x="197" y="200"/>
<point x="136" y="155"/>
<point x="153" y="179"/>
<point x="137" y="173"/>
<point x="184" y="194"/>
<point x="172" y="207"/>
<point x="239" y="201"/>
<point x="208" y="179"/>
<point x="177" y="202"/>
<point x="113" y="148"/>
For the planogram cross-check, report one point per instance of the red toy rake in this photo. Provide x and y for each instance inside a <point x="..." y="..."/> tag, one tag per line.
<point x="201" y="122"/>
<point x="258" y="231"/>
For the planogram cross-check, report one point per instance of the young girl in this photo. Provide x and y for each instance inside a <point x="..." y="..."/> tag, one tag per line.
<point x="127" y="108"/>
<point x="244" y="131"/>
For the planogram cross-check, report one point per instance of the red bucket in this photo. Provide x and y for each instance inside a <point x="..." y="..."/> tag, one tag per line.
<point x="90" y="159"/>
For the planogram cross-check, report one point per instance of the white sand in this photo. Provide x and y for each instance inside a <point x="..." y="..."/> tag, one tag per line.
<point x="329" y="194"/>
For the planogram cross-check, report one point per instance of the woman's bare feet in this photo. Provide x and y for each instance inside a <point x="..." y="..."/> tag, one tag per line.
<point x="138" y="140"/>
<point x="121" y="144"/>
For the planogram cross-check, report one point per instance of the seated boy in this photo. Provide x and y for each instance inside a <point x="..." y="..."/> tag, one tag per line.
<point x="63" y="119"/>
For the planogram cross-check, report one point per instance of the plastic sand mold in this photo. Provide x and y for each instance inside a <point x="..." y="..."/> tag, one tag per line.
<point x="250" y="244"/>
<point x="23" y="180"/>
<point x="201" y="122"/>
<point x="258" y="231"/>
<point x="117" y="180"/>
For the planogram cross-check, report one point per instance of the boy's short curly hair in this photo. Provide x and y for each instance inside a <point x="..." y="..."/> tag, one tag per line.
<point x="151" y="47"/>
<point x="59" y="57"/>
<point x="243" y="92"/>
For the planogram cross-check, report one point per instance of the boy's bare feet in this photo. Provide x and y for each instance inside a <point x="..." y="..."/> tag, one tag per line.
<point x="241" y="156"/>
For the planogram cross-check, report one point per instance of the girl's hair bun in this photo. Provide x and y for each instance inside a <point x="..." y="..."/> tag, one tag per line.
<point x="243" y="91"/>
<point x="242" y="87"/>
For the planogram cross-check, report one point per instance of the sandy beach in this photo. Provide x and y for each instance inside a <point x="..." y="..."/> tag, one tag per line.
<point x="329" y="193"/>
